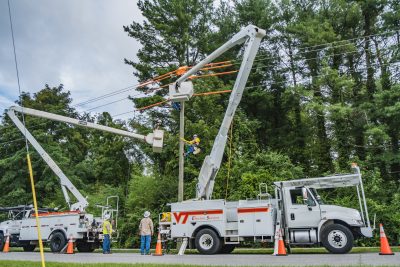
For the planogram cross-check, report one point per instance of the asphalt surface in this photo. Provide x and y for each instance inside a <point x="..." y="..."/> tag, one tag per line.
<point x="225" y="260"/>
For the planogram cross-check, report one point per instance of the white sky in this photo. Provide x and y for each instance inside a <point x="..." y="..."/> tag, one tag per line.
<point x="79" y="43"/>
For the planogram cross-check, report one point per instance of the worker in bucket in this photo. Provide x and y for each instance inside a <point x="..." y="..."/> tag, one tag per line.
<point x="146" y="229"/>
<point x="107" y="231"/>
<point x="193" y="146"/>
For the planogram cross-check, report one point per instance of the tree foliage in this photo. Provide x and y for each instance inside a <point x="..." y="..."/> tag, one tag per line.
<point x="323" y="92"/>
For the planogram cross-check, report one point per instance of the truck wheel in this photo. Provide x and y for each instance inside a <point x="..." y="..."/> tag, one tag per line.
<point x="337" y="239"/>
<point x="226" y="249"/>
<point x="2" y="241"/>
<point x="29" y="248"/>
<point x="208" y="242"/>
<point x="57" y="242"/>
<point x="84" y="247"/>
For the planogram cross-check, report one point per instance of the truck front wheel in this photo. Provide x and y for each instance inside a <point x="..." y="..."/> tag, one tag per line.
<point x="57" y="242"/>
<point x="2" y="241"/>
<point x="337" y="239"/>
<point x="208" y="242"/>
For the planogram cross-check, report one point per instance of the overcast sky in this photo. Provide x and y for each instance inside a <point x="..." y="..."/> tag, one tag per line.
<point x="79" y="43"/>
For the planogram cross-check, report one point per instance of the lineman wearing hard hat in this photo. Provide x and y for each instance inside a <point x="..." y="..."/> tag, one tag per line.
<point x="146" y="231"/>
<point x="193" y="146"/>
<point x="107" y="231"/>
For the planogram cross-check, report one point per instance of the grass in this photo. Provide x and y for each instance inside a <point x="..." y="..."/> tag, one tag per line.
<point x="309" y="250"/>
<point x="60" y="264"/>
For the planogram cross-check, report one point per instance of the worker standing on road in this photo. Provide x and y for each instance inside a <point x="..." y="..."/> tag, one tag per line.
<point x="107" y="231"/>
<point x="146" y="231"/>
<point x="193" y="147"/>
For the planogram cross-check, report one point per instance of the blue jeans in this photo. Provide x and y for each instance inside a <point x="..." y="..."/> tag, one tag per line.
<point x="145" y="241"/>
<point x="106" y="244"/>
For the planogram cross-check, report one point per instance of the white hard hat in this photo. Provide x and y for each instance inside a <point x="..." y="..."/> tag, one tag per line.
<point x="146" y="214"/>
<point x="107" y="216"/>
<point x="195" y="135"/>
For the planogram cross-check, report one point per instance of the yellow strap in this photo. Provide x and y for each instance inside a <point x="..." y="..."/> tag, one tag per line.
<point x="36" y="209"/>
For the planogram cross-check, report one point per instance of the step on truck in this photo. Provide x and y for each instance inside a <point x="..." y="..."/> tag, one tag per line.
<point x="57" y="227"/>
<point x="217" y="226"/>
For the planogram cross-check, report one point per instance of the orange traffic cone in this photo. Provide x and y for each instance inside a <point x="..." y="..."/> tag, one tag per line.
<point x="281" y="246"/>
<point x="70" y="248"/>
<point x="158" y="251"/>
<point x="7" y="245"/>
<point x="385" y="248"/>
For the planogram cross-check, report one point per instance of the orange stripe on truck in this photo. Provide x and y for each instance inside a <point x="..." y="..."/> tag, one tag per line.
<point x="185" y="214"/>
<point x="252" y="210"/>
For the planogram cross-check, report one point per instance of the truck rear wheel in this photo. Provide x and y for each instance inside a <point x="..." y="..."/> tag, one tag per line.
<point x="85" y="247"/>
<point x="226" y="249"/>
<point x="57" y="242"/>
<point x="337" y="239"/>
<point x="29" y="248"/>
<point x="208" y="242"/>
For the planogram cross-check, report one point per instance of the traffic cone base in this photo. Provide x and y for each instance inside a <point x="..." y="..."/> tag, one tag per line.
<point x="281" y="246"/>
<point x="385" y="248"/>
<point x="70" y="248"/>
<point x="7" y="245"/>
<point x="158" y="251"/>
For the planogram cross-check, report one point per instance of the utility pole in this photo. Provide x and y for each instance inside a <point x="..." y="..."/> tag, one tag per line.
<point x="181" y="151"/>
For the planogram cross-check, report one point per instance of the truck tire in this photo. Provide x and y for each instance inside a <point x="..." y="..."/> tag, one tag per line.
<point x="337" y="239"/>
<point x="85" y="247"/>
<point x="226" y="249"/>
<point x="57" y="242"/>
<point x="208" y="242"/>
<point x="2" y="241"/>
<point x="29" y="248"/>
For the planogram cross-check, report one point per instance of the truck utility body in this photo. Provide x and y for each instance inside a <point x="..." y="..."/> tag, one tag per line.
<point x="296" y="211"/>
<point x="216" y="226"/>
<point x="76" y="224"/>
<point x="56" y="228"/>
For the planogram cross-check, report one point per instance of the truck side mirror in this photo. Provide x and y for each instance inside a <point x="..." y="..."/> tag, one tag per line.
<point x="305" y="194"/>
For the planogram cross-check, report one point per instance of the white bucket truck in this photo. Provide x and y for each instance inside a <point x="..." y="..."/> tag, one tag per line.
<point x="76" y="224"/>
<point x="217" y="226"/>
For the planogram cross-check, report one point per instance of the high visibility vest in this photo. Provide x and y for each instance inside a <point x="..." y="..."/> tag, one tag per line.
<point x="107" y="224"/>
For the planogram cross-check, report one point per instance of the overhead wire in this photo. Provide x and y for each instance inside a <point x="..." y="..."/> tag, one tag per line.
<point x="32" y="182"/>
<point x="212" y="66"/>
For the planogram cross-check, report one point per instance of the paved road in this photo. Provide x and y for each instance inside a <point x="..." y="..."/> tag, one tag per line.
<point x="232" y="259"/>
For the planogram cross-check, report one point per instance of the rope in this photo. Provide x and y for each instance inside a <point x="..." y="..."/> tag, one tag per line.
<point x="167" y="100"/>
<point x="229" y="160"/>
<point x="26" y="145"/>
<point x="212" y="74"/>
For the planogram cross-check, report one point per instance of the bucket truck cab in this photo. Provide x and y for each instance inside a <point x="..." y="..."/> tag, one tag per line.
<point x="217" y="226"/>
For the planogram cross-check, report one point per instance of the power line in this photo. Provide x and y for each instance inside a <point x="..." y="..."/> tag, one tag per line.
<point x="258" y="58"/>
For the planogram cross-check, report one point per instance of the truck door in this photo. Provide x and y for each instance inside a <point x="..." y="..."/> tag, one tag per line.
<point x="303" y="210"/>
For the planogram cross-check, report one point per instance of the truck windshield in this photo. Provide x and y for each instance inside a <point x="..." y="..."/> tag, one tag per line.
<point x="317" y="197"/>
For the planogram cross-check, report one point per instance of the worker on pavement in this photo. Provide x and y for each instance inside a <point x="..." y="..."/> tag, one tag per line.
<point x="146" y="229"/>
<point x="107" y="231"/>
<point x="193" y="146"/>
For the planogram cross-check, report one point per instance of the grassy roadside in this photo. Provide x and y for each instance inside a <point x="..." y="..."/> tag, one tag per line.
<point x="247" y="250"/>
<point x="67" y="264"/>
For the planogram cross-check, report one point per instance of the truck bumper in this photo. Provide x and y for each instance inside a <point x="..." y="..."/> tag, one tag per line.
<point x="366" y="231"/>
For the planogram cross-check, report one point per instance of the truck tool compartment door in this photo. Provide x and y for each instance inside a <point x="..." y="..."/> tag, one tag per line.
<point x="300" y="213"/>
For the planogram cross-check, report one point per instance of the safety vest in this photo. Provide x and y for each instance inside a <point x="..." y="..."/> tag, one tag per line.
<point x="107" y="224"/>
<point x="195" y="141"/>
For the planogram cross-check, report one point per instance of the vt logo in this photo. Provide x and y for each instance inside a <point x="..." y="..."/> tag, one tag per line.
<point x="179" y="215"/>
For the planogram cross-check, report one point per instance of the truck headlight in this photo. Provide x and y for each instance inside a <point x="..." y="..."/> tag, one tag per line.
<point x="358" y="222"/>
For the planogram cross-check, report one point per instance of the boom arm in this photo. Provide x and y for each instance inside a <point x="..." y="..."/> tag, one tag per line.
<point x="155" y="139"/>
<point x="252" y="35"/>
